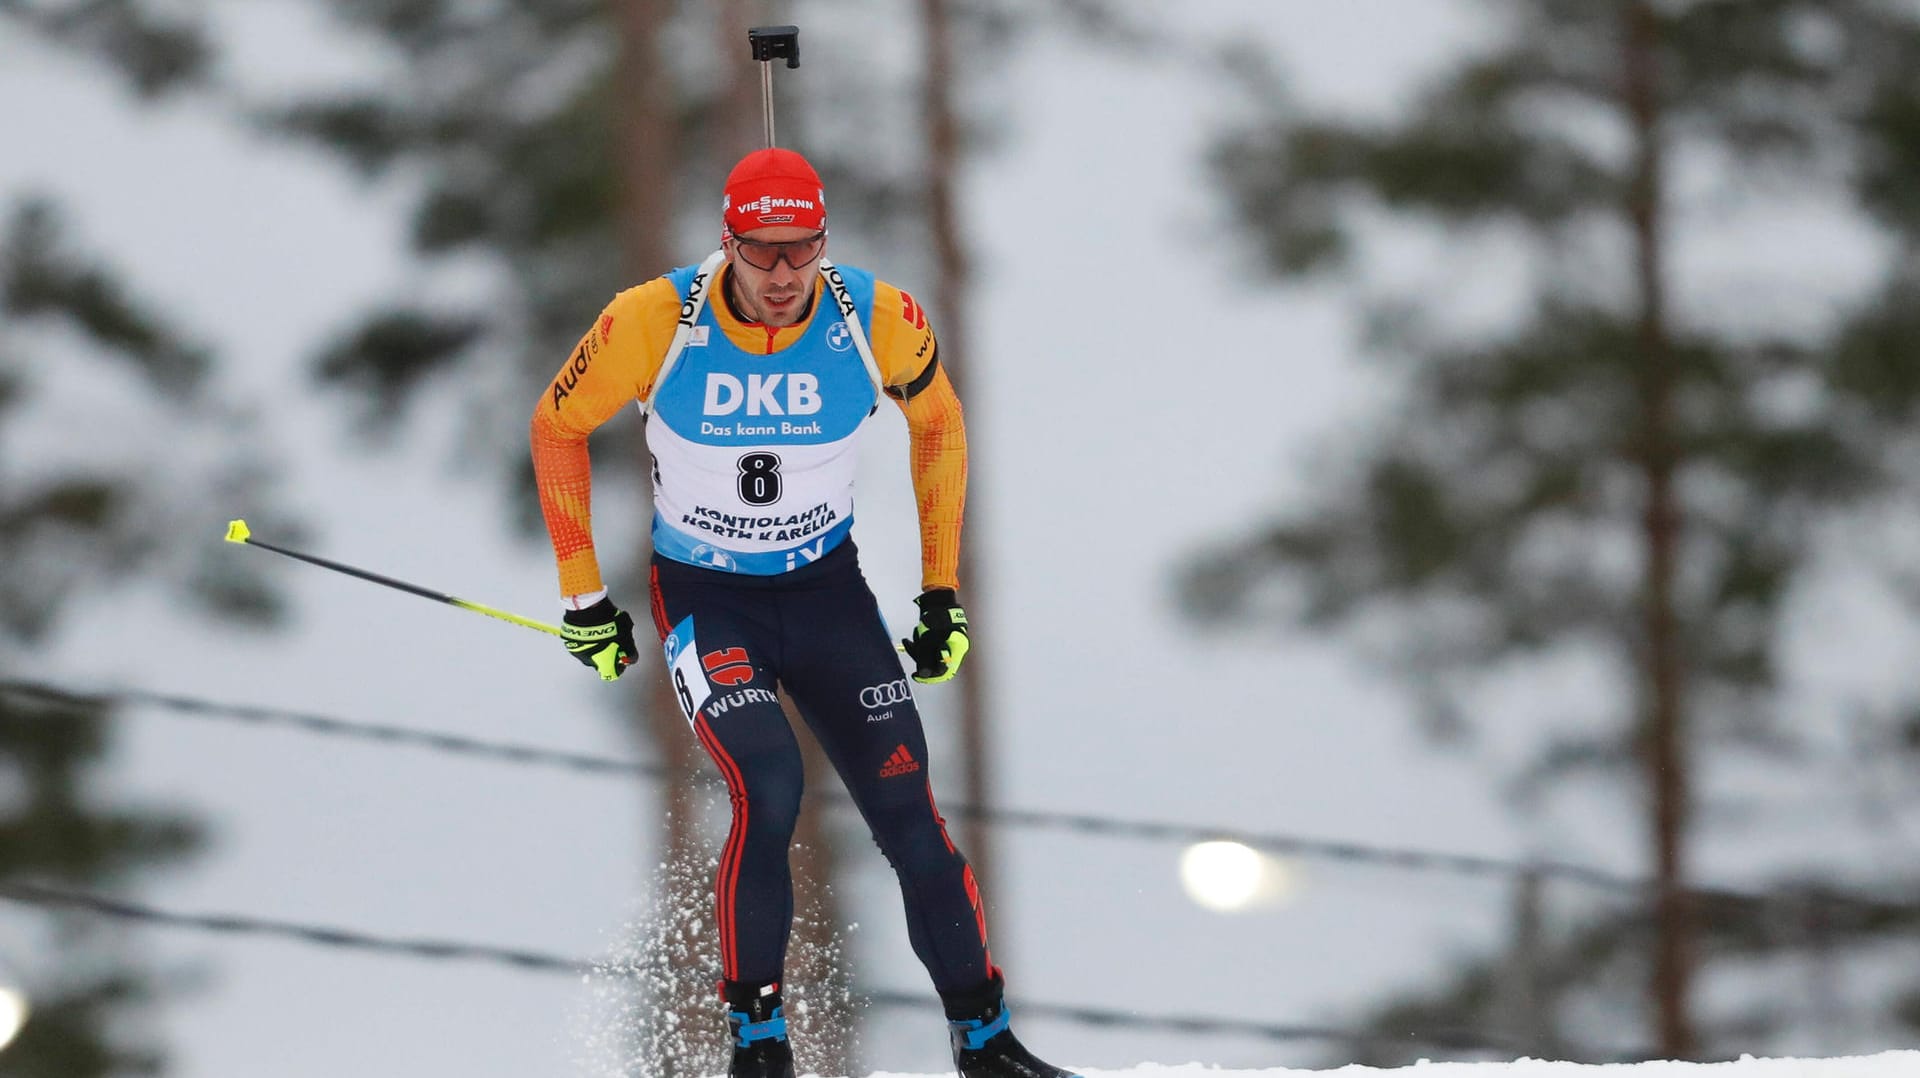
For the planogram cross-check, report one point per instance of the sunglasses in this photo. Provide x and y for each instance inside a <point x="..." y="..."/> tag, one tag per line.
<point x="762" y="255"/>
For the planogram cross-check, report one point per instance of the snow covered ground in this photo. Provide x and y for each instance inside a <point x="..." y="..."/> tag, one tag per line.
<point x="1884" y="1065"/>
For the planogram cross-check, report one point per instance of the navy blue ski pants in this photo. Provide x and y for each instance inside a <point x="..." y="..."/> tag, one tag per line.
<point x="817" y="632"/>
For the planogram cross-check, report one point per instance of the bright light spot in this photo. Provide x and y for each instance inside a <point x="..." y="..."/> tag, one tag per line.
<point x="13" y="1014"/>
<point x="1228" y="877"/>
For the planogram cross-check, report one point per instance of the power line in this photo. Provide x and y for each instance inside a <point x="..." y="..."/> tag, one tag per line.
<point x="1079" y="823"/>
<point x="35" y="894"/>
<point x="50" y="897"/>
<point x="1297" y="846"/>
<point x="325" y="726"/>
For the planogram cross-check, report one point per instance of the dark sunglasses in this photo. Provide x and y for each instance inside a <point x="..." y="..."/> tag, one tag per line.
<point x="765" y="256"/>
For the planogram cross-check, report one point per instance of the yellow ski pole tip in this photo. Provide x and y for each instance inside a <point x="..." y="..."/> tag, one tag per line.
<point x="237" y="531"/>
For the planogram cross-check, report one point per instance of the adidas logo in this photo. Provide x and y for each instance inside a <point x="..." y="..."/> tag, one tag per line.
<point x="900" y="763"/>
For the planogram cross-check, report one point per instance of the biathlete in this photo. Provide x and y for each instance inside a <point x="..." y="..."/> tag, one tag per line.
<point x="757" y="369"/>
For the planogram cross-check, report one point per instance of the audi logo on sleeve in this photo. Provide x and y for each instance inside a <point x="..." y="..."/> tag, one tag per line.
<point x="893" y="692"/>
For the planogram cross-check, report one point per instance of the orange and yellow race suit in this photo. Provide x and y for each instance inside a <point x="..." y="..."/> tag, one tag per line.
<point x="752" y="431"/>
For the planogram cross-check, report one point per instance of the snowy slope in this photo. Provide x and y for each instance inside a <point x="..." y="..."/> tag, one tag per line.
<point x="1884" y="1065"/>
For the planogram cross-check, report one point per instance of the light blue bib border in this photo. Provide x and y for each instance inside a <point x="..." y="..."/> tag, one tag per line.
<point x="692" y="548"/>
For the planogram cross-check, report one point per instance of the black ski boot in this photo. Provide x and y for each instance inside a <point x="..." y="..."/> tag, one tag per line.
<point x="759" y="1029"/>
<point x="983" y="1045"/>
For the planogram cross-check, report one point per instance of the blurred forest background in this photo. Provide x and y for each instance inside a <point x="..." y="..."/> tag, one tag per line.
<point x="1630" y="285"/>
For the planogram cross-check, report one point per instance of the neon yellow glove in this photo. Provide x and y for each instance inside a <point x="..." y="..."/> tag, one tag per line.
<point x="940" y="641"/>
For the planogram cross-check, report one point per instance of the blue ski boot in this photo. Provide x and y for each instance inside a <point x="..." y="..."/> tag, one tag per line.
<point x="983" y="1045"/>
<point x="759" y="1029"/>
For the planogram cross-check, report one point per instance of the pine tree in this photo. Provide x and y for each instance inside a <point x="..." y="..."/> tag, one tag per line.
<point x="1634" y="470"/>
<point x="83" y="514"/>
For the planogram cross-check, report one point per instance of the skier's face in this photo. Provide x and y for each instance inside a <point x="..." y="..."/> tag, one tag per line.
<point x="775" y="296"/>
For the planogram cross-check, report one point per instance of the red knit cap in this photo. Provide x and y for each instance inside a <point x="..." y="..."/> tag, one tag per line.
<point x="773" y="188"/>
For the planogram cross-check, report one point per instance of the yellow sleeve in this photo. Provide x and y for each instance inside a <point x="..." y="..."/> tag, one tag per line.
<point x="905" y="350"/>
<point x="612" y="365"/>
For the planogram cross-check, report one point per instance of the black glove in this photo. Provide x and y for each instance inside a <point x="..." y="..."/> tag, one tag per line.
<point x="940" y="641"/>
<point x="601" y="637"/>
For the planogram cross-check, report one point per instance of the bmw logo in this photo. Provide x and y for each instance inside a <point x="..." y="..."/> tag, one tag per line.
<point x="712" y="557"/>
<point x="840" y="337"/>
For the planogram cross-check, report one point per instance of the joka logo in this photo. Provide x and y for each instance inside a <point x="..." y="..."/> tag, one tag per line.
<point x="728" y="666"/>
<point x="687" y="305"/>
<point x="900" y="763"/>
<point x="893" y="692"/>
<point x="725" y="394"/>
<point x="840" y="337"/>
<point x="840" y="294"/>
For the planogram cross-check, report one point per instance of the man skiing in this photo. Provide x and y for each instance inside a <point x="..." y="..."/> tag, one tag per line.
<point x="758" y="368"/>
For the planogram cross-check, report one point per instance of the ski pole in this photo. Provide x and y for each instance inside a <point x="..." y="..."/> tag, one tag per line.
<point x="238" y="532"/>
<point x="770" y="43"/>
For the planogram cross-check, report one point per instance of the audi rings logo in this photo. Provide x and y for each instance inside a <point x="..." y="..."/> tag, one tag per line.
<point x="893" y="692"/>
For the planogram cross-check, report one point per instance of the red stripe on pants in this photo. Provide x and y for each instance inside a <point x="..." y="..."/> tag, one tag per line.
<point x="727" y="882"/>
<point x="939" y="819"/>
<point x="659" y="604"/>
<point x="979" y="912"/>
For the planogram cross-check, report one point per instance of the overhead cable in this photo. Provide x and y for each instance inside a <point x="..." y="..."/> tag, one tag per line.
<point x="324" y="726"/>
<point x="39" y="894"/>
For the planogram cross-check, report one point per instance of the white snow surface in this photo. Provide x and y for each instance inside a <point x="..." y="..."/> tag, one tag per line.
<point x="1884" y="1065"/>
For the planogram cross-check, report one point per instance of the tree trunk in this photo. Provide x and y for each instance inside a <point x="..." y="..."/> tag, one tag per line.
<point x="944" y="159"/>
<point x="1525" y="999"/>
<point x="647" y="151"/>
<point x="1663" y="708"/>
